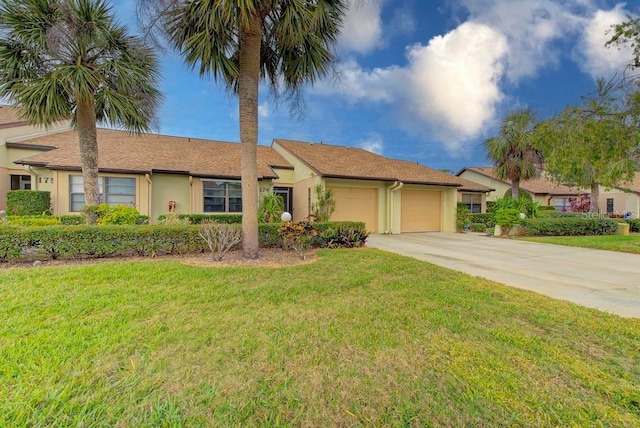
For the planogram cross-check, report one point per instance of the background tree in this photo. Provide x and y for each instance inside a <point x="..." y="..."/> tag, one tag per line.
<point x="590" y="144"/>
<point x="285" y="43"/>
<point x="513" y="150"/>
<point x="70" y="60"/>
<point x="627" y="33"/>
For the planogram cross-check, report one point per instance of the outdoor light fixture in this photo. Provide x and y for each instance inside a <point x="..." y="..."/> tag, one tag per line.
<point x="285" y="216"/>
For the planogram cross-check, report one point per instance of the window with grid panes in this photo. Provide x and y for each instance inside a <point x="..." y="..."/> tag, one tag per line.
<point x="112" y="191"/>
<point x="222" y="196"/>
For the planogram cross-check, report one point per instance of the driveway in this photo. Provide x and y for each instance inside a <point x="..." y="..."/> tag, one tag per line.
<point x="606" y="280"/>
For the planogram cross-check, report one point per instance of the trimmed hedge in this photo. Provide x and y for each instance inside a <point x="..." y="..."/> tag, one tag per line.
<point x="561" y="214"/>
<point x="71" y="220"/>
<point x="32" y="220"/>
<point x="28" y="202"/>
<point x="634" y="224"/>
<point x="74" y="242"/>
<point x="478" y="227"/>
<point x="215" y="218"/>
<point x="569" y="226"/>
<point x="485" y="218"/>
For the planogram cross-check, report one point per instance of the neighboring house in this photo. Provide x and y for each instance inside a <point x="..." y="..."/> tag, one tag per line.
<point x="541" y="189"/>
<point x="154" y="173"/>
<point x="13" y="176"/>
<point x="622" y="199"/>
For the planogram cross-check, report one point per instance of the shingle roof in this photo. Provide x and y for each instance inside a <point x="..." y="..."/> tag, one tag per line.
<point x="120" y="151"/>
<point x="9" y="117"/>
<point x="538" y="186"/>
<point x="348" y="162"/>
<point x="633" y="186"/>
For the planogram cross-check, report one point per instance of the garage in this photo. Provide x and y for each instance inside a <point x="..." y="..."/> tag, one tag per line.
<point x="356" y="204"/>
<point x="420" y="210"/>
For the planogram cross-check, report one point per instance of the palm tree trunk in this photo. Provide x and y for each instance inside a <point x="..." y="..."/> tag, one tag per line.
<point x="515" y="189"/>
<point x="88" y="143"/>
<point x="595" y="195"/>
<point x="248" y="84"/>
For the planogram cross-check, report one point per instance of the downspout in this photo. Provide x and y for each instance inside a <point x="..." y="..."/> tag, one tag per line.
<point x="148" y="177"/>
<point x="395" y="186"/>
<point x="35" y="175"/>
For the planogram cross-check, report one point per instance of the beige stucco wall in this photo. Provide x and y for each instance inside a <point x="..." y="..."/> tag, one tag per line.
<point x="500" y="187"/>
<point x="623" y="202"/>
<point x="170" y="187"/>
<point x="8" y="156"/>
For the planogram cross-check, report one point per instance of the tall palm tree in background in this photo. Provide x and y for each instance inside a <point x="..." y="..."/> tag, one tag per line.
<point x="513" y="150"/>
<point x="71" y="60"/>
<point x="286" y="43"/>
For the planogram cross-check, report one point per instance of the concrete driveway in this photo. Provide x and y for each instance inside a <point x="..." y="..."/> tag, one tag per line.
<point x="606" y="280"/>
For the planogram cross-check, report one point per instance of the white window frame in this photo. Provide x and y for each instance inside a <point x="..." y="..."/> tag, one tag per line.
<point x="103" y="198"/>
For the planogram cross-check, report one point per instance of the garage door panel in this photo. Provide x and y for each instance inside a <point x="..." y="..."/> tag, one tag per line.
<point x="356" y="204"/>
<point x="420" y="210"/>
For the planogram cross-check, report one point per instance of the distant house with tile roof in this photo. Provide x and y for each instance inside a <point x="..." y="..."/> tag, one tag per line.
<point x="153" y="172"/>
<point x="541" y="189"/>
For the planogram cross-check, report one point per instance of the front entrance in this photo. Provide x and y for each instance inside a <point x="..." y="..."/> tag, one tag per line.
<point x="286" y="193"/>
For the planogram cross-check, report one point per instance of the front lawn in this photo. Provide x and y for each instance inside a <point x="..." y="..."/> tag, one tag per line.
<point x="356" y="338"/>
<point x="625" y="244"/>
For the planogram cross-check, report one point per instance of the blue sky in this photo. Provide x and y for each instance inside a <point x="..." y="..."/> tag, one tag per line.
<point x="421" y="80"/>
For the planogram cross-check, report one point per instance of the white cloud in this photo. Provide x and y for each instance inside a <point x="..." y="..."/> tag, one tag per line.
<point x="592" y="55"/>
<point x="453" y="82"/>
<point x="362" y="27"/>
<point x="453" y="86"/>
<point x="264" y="111"/>
<point x="374" y="145"/>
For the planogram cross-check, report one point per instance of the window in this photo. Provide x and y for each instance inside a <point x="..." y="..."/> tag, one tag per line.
<point x="222" y="197"/>
<point x="20" y="182"/>
<point x="113" y="191"/>
<point x="473" y="201"/>
<point x="561" y="204"/>
<point x="609" y="205"/>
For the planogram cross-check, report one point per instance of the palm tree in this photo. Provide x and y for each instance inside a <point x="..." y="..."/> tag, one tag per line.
<point x="513" y="151"/>
<point x="71" y="60"/>
<point x="286" y="43"/>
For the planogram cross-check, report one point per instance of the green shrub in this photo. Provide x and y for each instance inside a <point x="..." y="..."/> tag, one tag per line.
<point x="28" y="202"/>
<point x="215" y="218"/>
<point x="569" y="226"/>
<point x="33" y="220"/>
<point x="478" y="227"/>
<point x="485" y="218"/>
<point x="462" y="216"/>
<point x="508" y="217"/>
<point x="94" y="241"/>
<point x="271" y="208"/>
<point x="71" y="220"/>
<point x="634" y="224"/>
<point x="561" y="214"/>
<point x="118" y="214"/>
<point x="342" y="235"/>
<point x="524" y="205"/>
<point x="547" y="208"/>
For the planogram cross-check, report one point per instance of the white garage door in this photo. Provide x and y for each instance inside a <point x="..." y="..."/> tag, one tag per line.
<point x="420" y="211"/>
<point x="356" y="204"/>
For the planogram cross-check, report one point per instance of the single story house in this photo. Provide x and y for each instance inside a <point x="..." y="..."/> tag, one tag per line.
<point x="621" y="199"/>
<point x="542" y="189"/>
<point x="156" y="173"/>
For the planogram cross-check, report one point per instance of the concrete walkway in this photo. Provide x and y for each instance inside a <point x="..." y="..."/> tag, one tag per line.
<point x="606" y="280"/>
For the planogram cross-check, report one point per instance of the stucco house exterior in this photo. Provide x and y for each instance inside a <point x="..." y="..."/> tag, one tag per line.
<point x="154" y="173"/>
<point x="541" y="189"/>
<point x="622" y="199"/>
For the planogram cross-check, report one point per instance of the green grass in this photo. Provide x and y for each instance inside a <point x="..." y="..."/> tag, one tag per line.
<point x="357" y="338"/>
<point x="625" y="244"/>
